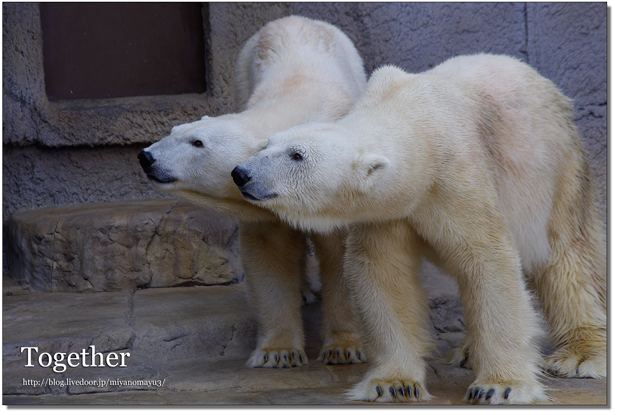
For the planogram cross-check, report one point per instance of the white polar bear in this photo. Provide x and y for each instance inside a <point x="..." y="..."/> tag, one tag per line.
<point x="478" y="166"/>
<point x="294" y="70"/>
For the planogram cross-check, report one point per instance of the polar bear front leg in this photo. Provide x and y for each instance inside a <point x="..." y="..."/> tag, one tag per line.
<point x="381" y="267"/>
<point x="502" y="327"/>
<point x="272" y="254"/>
<point x="341" y="341"/>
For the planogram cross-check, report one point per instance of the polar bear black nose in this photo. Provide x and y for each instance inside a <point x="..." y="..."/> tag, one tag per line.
<point x="146" y="159"/>
<point x="240" y="176"/>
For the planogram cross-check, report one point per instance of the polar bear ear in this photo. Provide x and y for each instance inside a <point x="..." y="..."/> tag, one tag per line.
<point x="262" y="144"/>
<point x="205" y="117"/>
<point x="371" y="168"/>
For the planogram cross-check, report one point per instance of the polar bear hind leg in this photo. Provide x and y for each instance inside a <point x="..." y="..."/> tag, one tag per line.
<point x="572" y="287"/>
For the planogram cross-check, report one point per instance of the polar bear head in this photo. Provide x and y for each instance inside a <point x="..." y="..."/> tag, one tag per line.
<point x="315" y="176"/>
<point x="195" y="160"/>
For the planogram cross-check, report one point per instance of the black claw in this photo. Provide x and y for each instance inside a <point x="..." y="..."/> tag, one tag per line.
<point x="294" y="355"/>
<point x="301" y="358"/>
<point x="348" y="355"/>
<point x="475" y="393"/>
<point x="416" y="392"/>
<point x="285" y="357"/>
<point x="379" y="391"/>
<point x="329" y="353"/>
<point x="401" y="391"/>
<point x="277" y="357"/>
<point x="265" y="358"/>
<point x="359" y="355"/>
<point x="409" y="391"/>
<point x="337" y="353"/>
<point x="480" y="394"/>
<point x="470" y="393"/>
<point x="490" y="393"/>
<point x="507" y="392"/>
<point x="462" y="362"/>
<point x="392" y="391"/>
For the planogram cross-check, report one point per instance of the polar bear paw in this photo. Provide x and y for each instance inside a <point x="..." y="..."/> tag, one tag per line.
<point x="341" y="354"/>
<point x="576" y="362"/>
<point x="389" y="390"/>
<point x="460" y="356"/>
<point x="510" y="392"/>
<point x="277" y="358"/>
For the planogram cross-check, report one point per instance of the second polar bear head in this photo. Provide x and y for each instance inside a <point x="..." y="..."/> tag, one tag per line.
<point x="313" y="175"/>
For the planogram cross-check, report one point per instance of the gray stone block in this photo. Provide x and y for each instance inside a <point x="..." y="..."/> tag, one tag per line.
<point x="192" y="323"/>
<point x="63" y="322"/>
<point x="122" y="246"/>
<point x="418" y="36"/>
<point x="155" y="326"/>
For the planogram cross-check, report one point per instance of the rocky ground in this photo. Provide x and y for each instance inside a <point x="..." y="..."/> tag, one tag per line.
<point x="191" y="343"/>
<point x="186" y="344"/>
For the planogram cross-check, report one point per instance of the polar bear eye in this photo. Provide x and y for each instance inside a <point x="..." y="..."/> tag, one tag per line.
<point x="297" y="156"/>
<point x="198" y="143"/>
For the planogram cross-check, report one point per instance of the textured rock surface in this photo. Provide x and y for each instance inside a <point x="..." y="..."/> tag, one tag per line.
<point x="417" y="36"/>
<point x="122" y="246"/>
<point x="36" y="177"/>
<point x="193" y="323"/>
<point x="193" y="341"/>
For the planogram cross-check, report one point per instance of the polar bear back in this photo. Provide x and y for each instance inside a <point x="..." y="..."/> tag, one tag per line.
<point x="297" y="46"/>
<point x="525" y="125"/>
<point x="490" y="110"/>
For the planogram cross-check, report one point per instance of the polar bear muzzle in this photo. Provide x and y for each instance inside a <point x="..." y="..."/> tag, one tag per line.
<point x="251" y="191"/>
<point x="153" y="173"/>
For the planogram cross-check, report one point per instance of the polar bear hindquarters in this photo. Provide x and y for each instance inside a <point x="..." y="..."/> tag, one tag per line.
<point x="547" y="195"/>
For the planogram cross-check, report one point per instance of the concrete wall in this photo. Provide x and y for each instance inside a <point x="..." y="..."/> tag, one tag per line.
<point x="85" y="151"/>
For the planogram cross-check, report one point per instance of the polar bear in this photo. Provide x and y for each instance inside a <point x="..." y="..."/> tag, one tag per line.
<point x="477" y="166"/>
<point x="294" y="70"/>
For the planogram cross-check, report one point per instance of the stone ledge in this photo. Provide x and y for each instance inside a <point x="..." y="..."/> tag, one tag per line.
<point x="117" y="246"/>
<point x="195" y="340"/>
<point x="155" y="325"/>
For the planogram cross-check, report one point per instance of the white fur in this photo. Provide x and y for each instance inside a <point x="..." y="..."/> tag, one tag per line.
<point x="294" y="70"/>
<point x="478" y="166"/>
